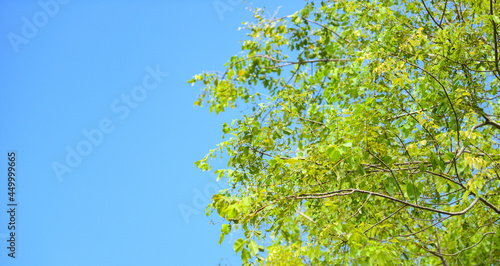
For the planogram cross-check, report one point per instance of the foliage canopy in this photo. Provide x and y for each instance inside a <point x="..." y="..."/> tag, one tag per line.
<point x="370" y="135"/>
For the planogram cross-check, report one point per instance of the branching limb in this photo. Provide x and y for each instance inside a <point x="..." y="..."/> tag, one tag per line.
<point x="392" y="173"/>
<point x="430" y="15"/>
<point x="458" y="252"/>
<point x="445" y="92"/>
<point x="434" y="224"/>
<point x="344" y="192"/>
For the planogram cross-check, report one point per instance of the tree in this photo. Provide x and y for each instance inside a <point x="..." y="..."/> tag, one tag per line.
<point x="369" y="135"/>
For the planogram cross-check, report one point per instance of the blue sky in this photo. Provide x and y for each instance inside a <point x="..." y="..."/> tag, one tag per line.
<point x="95" y="104"/>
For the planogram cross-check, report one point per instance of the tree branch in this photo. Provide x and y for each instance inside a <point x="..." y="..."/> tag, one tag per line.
<point x="381" y="221"/>
<point x="344" y="192"/>
<point x="445" y="92"/>
<point x="359" y="208"/>
<point x="454" y="254"/>
<point x="430" y="15"/>
<point x="392" y="173"/>
<point x="494" y="37"/>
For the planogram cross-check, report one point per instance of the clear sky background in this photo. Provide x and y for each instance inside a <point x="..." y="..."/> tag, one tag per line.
<point x="73" y="79"/>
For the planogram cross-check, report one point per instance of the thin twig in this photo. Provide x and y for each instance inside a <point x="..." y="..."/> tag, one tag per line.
<point x="369" y="195"/>
<point x="381" y="221"/>
<point x="392" y="173"/>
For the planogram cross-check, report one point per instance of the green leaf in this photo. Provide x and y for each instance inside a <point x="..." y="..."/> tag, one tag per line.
<point x="232" y="212"/>
<point x="287" y="131"/>
<point x="434" y="161"/>
<point x="441" y="164"/>
<point x="254" y="248"/>
<point x="412" y="191"/>
<point x="347" y="144"/>
<point x="226" y="228"/>
<point x="225" y="128"/>
<point x="496" y="19"/>
<point x="305" y="12"/>
<point x="333" y="153"/>
<point x="450" y="155"/>
<point x="423" y="168"/>
<point x="390" y="185"/>
<point x="238" y="245"/>
<point x="221" y="238"/>
<point x="245" y="255"/>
